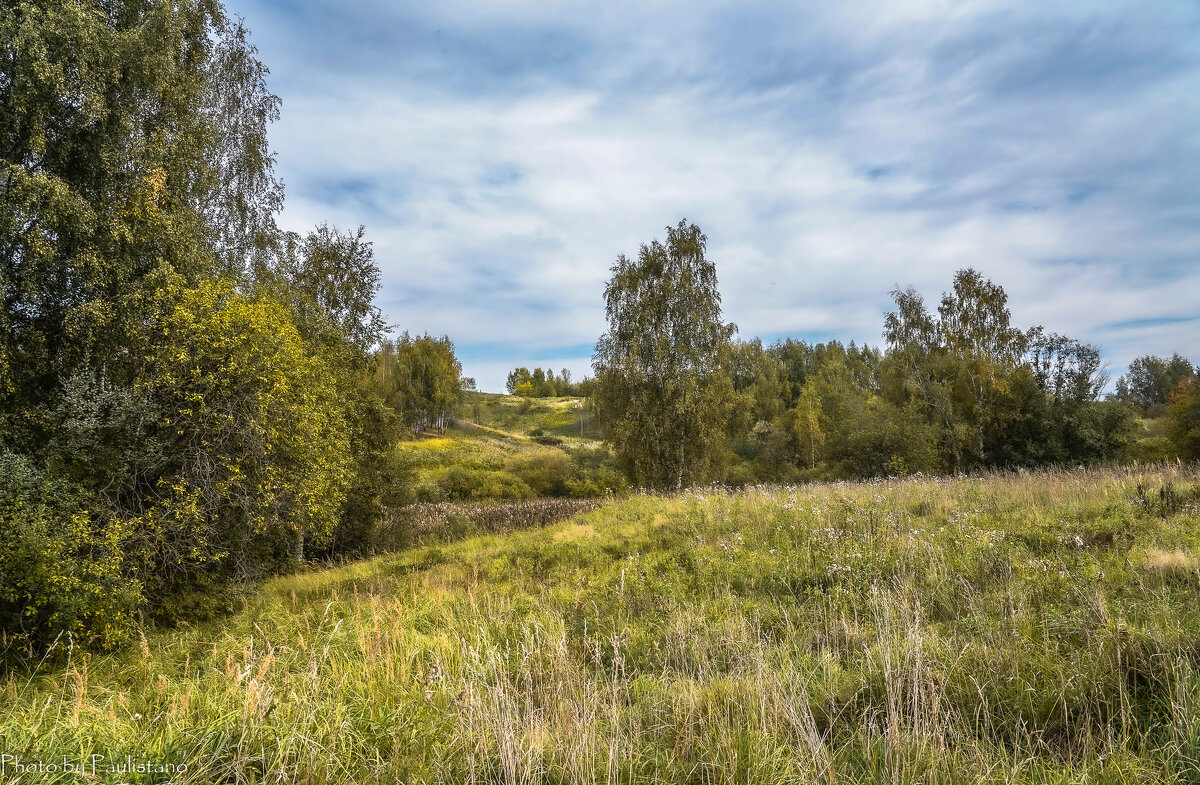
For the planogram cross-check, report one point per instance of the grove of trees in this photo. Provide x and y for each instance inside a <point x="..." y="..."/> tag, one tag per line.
<point x="956" y="389"/>
<point x="190" y="398"/>
<point x="541" y="383"/>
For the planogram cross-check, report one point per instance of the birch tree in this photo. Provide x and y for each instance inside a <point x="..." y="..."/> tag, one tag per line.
<point x="663" y="394"/>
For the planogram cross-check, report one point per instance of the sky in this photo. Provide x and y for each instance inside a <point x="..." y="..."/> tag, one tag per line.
<point x="502" y="155"/>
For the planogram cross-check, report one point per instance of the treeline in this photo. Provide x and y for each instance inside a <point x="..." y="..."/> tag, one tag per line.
<point x="544" y="384"/>
<point x="190" y="398"/>
<point x="958" y="389"/>
<point x="953" y="391"/>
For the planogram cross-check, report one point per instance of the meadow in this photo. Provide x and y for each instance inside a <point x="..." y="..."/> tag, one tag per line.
<point x="504" y="447"/>
<point x="560" y="417"/>
<point x="1034" y="627"/>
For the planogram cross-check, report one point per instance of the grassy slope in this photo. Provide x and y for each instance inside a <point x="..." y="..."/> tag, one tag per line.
<point x="1011" y="629"/>
<point x="556" y="416"/>
<point x="498" y="436"/>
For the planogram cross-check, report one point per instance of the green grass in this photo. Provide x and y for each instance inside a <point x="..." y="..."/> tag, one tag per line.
<point x="1039" y="628"/>
<point x="518" y="448"/>
<point x="467" y="446"/>
<point x="555" y="416"/>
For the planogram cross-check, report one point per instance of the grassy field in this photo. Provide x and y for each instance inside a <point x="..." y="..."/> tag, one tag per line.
<point x="1039" y="628"/>
<point x="505" y="447"/>
<point x="559" y="417"/>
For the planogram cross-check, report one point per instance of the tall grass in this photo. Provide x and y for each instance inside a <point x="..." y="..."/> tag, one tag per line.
<point x="1021" y="628"/>
<point x="440" y="522"/>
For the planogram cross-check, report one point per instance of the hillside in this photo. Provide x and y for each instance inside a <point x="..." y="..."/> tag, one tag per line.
<point x="506" y="447"/>
<point x="566" y="418"/>
<point x="1035" y="628"/>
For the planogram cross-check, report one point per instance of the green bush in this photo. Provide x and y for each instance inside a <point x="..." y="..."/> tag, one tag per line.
<point x="740" y="474"/>
<point x="61" y="565"/>
<point x="545" y="472"/>
<point x="595" y="483"/>
<point x="460" y="483"/>
<point x="594" y="473"/>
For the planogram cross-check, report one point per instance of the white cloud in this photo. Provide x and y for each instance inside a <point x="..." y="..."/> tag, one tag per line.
<point x="907" y="155"/>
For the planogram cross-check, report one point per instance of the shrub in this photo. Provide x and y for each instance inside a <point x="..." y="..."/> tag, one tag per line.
<point x="595" y="483"/>
<point x="546" y="472"/>
<point x="461" y="483"/>
<point x="61" y="565"/>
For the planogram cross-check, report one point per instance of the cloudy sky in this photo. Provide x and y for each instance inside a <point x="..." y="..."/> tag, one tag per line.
<point x="502" y="154"/>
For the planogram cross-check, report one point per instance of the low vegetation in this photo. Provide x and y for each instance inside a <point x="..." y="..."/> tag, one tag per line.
<point x="1014" y="628"/>
<point x="510" y="448"/>
<point x="567" y="418"/>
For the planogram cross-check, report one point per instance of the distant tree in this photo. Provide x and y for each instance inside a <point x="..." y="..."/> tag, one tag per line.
<point x="1152" y="380"/>
<point x="515" y="377"/>
<point x="1067" y="370"/>
<point x="422" y="379"/>
<point x="756" y="375"/>
<point x="806" y="424"/>
<point x="795" y="359"/>
<point x="542" y="383"/>
<point x="662" y="390"/>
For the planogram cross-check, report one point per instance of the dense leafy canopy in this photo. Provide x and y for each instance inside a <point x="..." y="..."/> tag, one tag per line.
<point x="662" y="387"/>
<point x="1151" y="380"/>
<point x="421" y="379"/>
<point x="955" y="390"/>
<point x="540" y="383"/>
<point x="188" y="396"/>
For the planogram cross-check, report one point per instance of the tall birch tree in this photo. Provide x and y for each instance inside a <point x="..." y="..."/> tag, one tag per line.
<point x="663" y="394"/>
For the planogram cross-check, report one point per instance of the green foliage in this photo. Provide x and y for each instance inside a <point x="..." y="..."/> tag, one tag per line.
<point x="955" y="366"/>
<point x="757" y="377"/>
<point x="256" y="427"/>
<point x="132" y="147"/>
<point x="662" y="391"/>
<point x="805" y="422"/>
<point x="329" y="280"/>
<point x="332" y="279"/>
<point x="546" y="472"/>
<point x="998" y="396"/>
<point x="544" y="384"/>
<point x="189" y="431"/>
<point x="1183" y="418"/>
<point x="462" y="483"/>
<point x="421" y="380"/>
<point x="958" y="389"/>
<point x="1152" y="380"/>
<point x="63" y="574"/>
<point x="882" y="440"/>
<point x="380" y="476"/>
